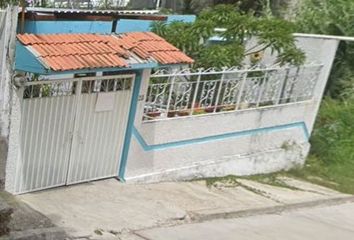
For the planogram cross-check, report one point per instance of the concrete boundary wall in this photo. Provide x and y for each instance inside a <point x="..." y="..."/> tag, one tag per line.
<point x="8" y="23"/>
<point x="244" y="142"/>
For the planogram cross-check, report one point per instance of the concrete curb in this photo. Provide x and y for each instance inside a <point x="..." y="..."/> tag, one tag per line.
<point x="196" y="217"/>
<point x="202" y="217"/>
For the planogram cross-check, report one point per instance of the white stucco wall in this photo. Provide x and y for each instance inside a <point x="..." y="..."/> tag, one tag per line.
<point x="14" y="151"/>
<point x="8" y="23"/>
<point x="232" y="142"/>
<point x="242" y="143"/>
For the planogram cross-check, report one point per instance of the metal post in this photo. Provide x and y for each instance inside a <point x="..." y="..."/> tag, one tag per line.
<point x="300" y="76"/>
<point x="196" y="91"/>
<point x="158" y="4"/>
<point x="219" y="90"/>
<point x="241" y="90"/>
<point x="170" y="93"/>
<point x="293" y="83"/>
<point x="318" y="73"/>
<point x="75" y="132"/>
<point x="283" y="86"/>
<point x="20" y="93"/>
<point x="260" y="93"/>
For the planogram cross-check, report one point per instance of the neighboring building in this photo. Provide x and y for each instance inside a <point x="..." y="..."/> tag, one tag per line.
<point x="81" y="4"/>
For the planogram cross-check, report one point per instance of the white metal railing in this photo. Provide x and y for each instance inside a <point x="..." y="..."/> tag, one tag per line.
<point x="194" y="92"/>
<point x="68" y="87"/>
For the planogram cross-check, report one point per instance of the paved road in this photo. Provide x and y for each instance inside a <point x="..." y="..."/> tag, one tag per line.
<point x="322" y="223"/>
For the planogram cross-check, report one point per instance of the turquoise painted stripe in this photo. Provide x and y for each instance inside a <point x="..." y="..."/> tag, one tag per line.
<point x="224" y="136"/>
<point x="130" y="125"/>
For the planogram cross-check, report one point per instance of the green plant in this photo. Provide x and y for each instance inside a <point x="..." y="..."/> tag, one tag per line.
<point x="333" y="17"/>
<point x="4" y="3"/>
<point x="333" y="136"/>
<point x="105" y="4"/>
<point x="239" y="27"/>
<point x="331" y="161"/>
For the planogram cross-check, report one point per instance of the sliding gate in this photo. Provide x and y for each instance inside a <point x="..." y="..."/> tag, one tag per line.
<point x="72" y="130"/>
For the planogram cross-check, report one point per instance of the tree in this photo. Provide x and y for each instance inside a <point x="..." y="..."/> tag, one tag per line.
<point x="333" y="17"/>
<point x="238" y="27"/>
<point x="4" y="3"/>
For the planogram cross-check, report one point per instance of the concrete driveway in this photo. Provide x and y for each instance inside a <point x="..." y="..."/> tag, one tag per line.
<point x="107" y="209"/>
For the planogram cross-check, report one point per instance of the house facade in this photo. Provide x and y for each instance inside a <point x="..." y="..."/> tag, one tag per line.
<point x="106" y="98"/>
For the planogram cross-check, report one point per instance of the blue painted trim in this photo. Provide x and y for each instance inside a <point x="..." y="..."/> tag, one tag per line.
<point x="181" y="18"/>
<point x="26" y="61"/>
<point x="224" y="136"/>
<point x="67" y="26"/>
<point x="130" y="126"/>
<point x="138" y="66"/>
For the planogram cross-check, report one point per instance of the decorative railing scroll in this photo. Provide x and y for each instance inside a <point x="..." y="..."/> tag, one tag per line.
<point x="193" y="92"/>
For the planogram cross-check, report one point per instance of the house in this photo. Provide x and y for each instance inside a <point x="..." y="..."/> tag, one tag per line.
<point x="93" y="102"/>
<point x="81" y="121"/>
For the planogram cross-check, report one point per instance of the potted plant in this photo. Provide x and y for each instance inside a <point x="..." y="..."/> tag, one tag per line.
<point x="230" y="107"/>
<point x="211" y="109"/>
<point x="171" y="113"/>
<point x="184" y="112"/>
<point x="243" y="105"/>
<point x="153" y="113"/>
<point x="266" y="103"/>
<point x="198" y="111"/>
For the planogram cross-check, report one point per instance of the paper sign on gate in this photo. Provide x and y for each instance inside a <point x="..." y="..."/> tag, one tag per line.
<point x="105" y="102"/>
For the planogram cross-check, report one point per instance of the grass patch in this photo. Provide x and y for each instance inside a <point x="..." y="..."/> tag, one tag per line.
<point x="336" y="176"/>
<point x="270" y="179"/>
<point x="331" y="161"/>
<point x="98" y="232"/>
<point x="230" y="180"/>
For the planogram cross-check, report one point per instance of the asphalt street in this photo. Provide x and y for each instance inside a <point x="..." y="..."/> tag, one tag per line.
<point x="322" y="223"/>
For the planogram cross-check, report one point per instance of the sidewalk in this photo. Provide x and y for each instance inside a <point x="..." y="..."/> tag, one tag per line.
<point x="25" y="223"/>
<point x="109" y="209"/>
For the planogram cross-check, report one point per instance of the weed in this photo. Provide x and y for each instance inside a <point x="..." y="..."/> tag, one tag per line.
<point x="99" y="232"/>
<point x="271" y="179"/>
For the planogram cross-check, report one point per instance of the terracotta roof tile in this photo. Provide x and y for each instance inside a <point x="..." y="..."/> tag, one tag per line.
<point x="148" y="45"/>
<point x="62" y="52"/>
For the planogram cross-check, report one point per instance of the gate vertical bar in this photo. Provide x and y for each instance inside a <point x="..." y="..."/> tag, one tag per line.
<point x="241" y="90"/>
<point x="137" y="81"/>
<point x="219" y="90"/>
<point x="170" y="93"/>
<point x="283" y="86"/>
<point x="262" y="88"/>
<point x="77" y="109"/>
<point x="196" y="91"/>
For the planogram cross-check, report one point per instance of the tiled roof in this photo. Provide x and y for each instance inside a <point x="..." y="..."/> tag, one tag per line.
<point x="62" y="52"/>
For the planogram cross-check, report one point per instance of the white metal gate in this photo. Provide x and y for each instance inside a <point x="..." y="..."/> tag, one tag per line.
<point x="72" y="130"/>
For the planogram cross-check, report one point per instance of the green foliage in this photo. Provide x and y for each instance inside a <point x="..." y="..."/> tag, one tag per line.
<point x="333" y="17"/>
<point x="238" y="26"/>
<point x="331" y="162"/>
<point x="197" y="6"/>
<point x="333" y="137"/>
<point x="4" y="3"/>
<point x="222" y="55"/>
